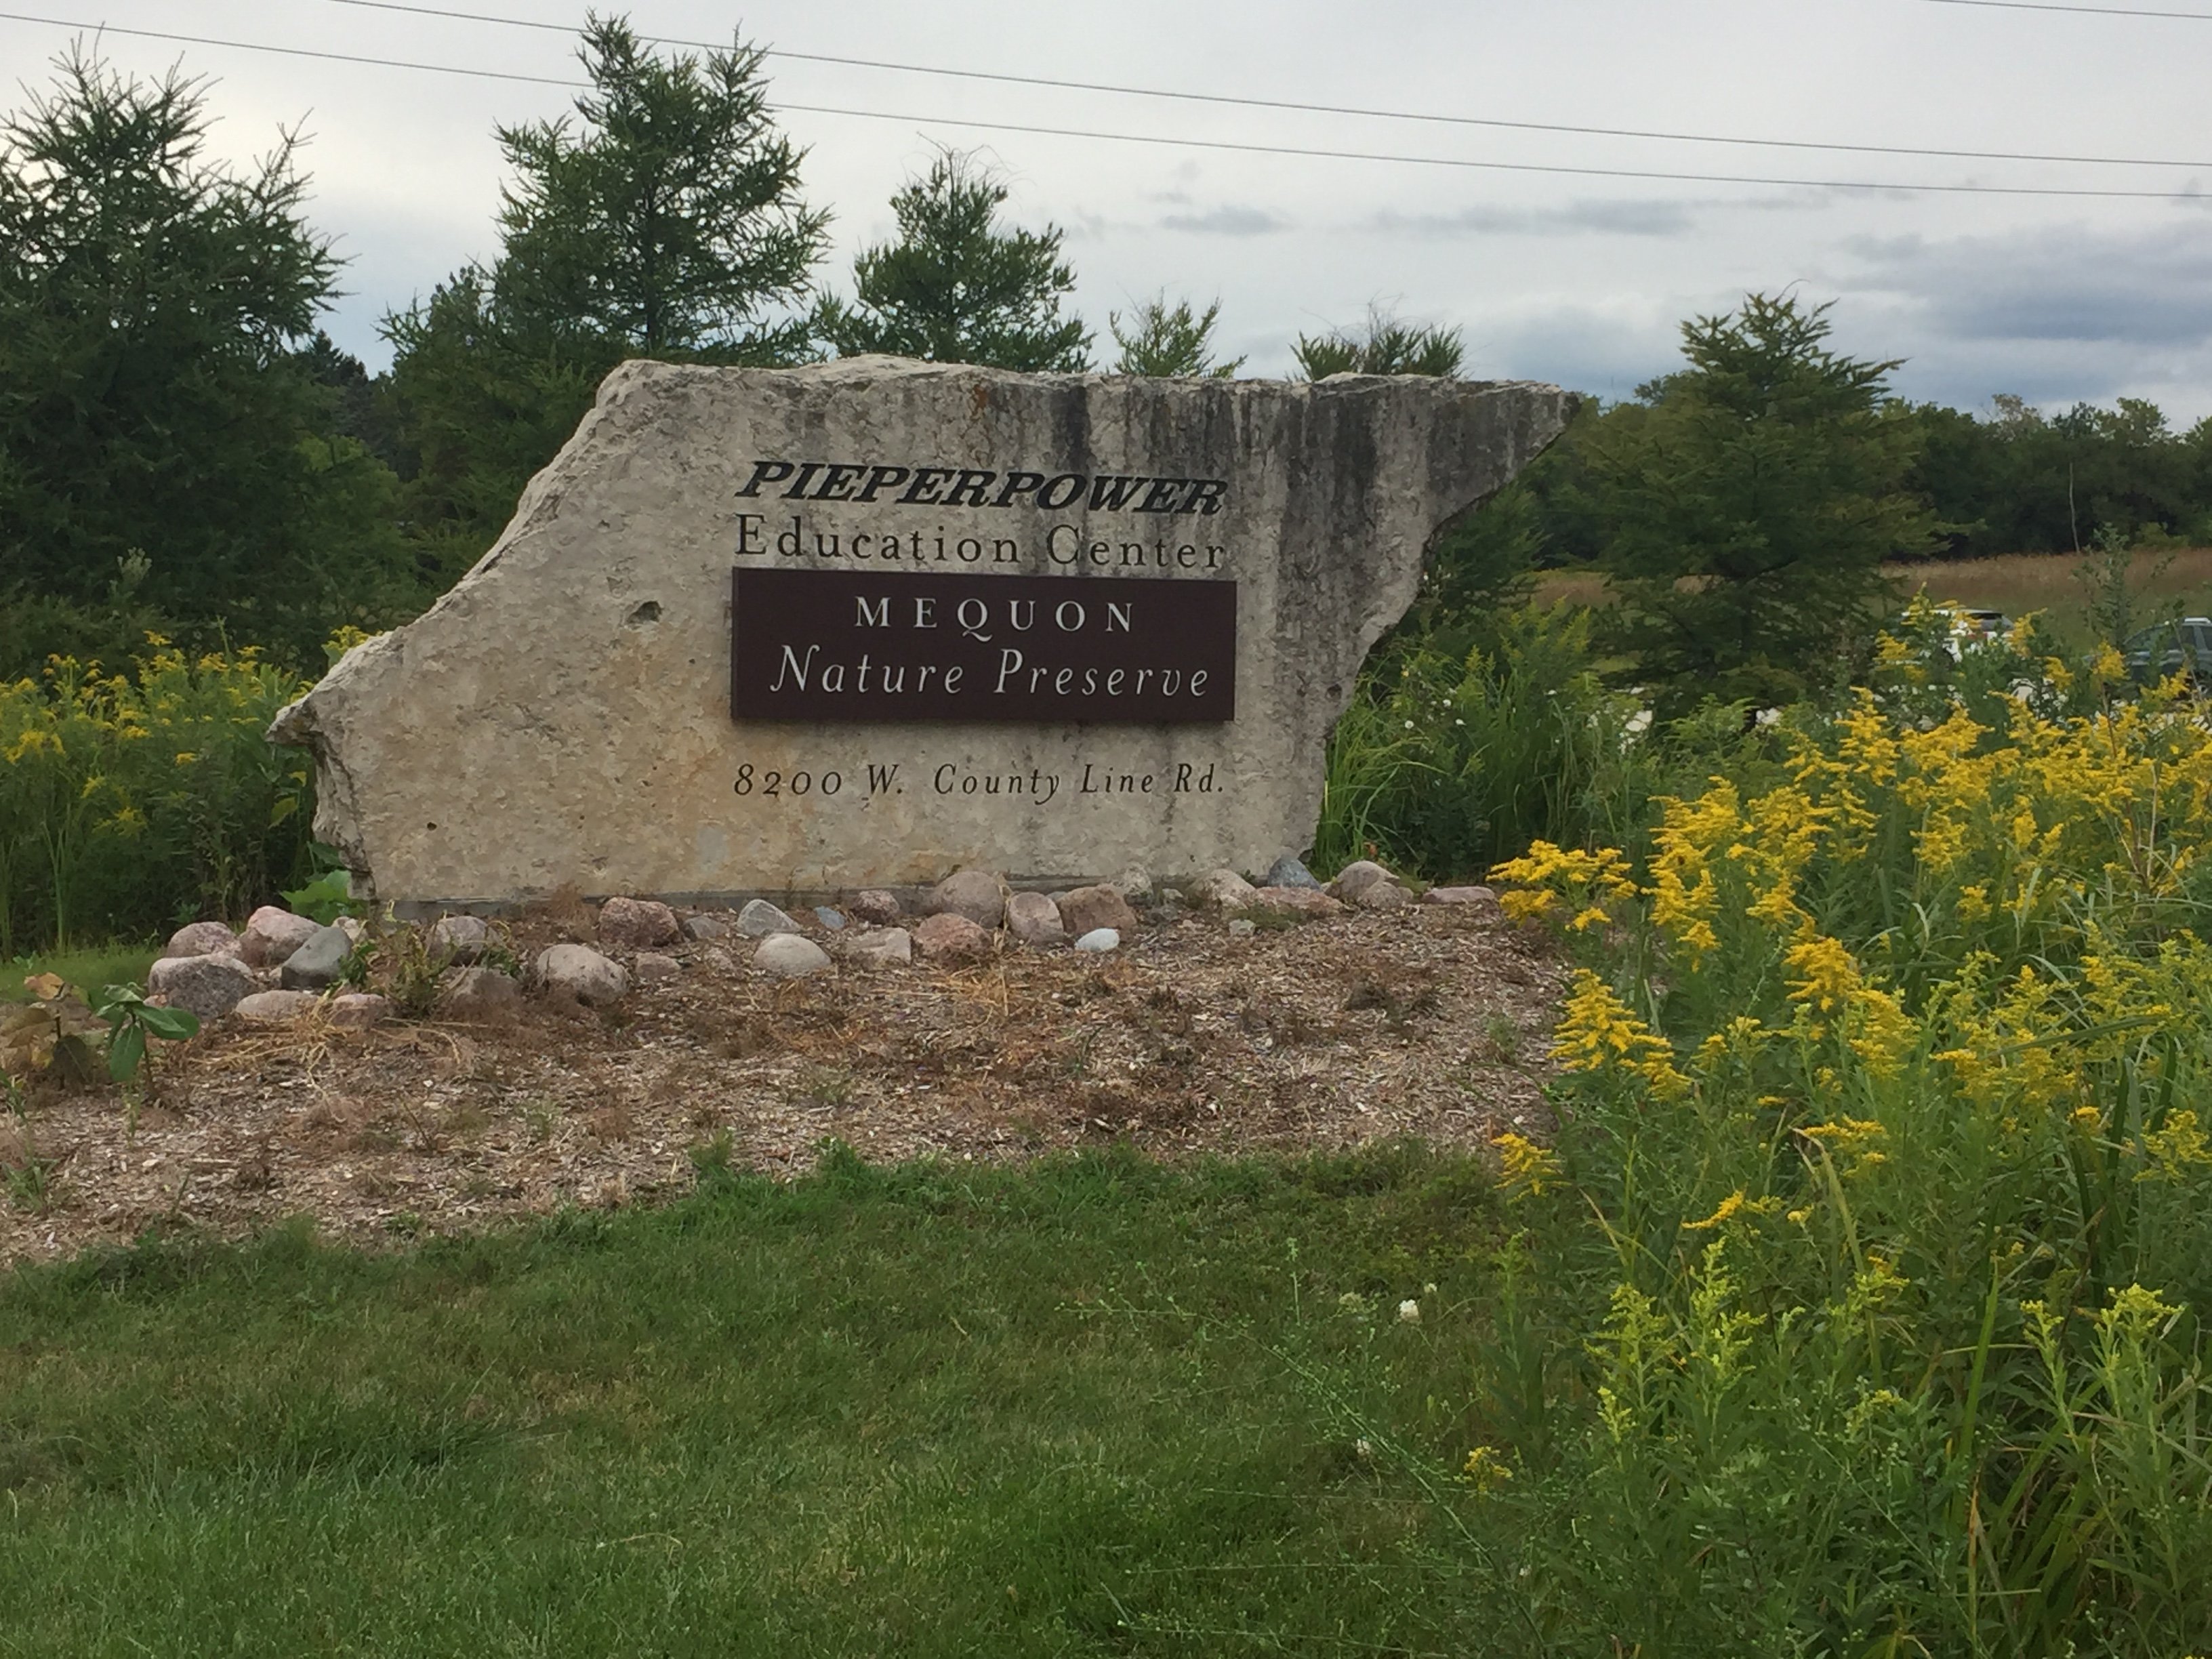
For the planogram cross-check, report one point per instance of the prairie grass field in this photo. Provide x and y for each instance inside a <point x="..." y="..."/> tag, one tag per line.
<point x="2015" y="583"/>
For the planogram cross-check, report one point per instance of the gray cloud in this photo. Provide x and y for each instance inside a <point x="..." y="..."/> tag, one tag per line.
<point x="1227" y="220"/>
<point x="1616" y="218"/>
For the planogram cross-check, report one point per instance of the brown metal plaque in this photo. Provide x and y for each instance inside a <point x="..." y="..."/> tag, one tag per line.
<point x="830" y="645"/>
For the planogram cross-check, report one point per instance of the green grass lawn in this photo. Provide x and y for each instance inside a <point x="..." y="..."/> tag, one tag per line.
<point x="88" y="970"/>
<point x="1092" y="1407"/>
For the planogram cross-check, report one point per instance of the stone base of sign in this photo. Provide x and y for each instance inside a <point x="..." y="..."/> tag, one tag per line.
<point x="562" y="719"/>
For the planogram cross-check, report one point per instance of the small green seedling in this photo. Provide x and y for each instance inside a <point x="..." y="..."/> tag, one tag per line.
<point x="131" y="1020"/>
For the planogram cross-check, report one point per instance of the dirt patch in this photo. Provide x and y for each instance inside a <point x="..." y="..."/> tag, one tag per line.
<point x="1364" y="1028"/>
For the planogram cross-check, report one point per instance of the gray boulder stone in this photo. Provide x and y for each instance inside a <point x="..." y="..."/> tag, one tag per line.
<point x="881" y="947"/>
<point x="1381" y="895"/>
<point x="637" y="924"/>
<point x="978" y="895"/>
<point x="1479" y="901"/>
<point x="201" y="938"/>
<point x="319" y="960"/>
<point x="273" y="1007"/>
<point x="949" y="937"/>
<point x="705" y="929"/>
<point x="833" y="920"/>
<point x="651" y="967"/>
<point x="1290" y="872"/>
<point x="1225" y="890"/>
<point x="595" y="629"/>
<point x="579" y="971"/>
<point x="209" y="987"/>
<point x="789" y="955"/>
<point x="478" y="994"/>
<point x="1355" y="878"/>
<point x="271" y="934"/>
<point x="357" y="1009"/>
<point x="1134" y="885"/>
<point x="1034" y="919"/>
<point x="1089" y="909"/>
<point x="1099" y="940"/>
<point x="759" y="918"/>
<point x="460" y="938"/>
<point x="875" y="907"/>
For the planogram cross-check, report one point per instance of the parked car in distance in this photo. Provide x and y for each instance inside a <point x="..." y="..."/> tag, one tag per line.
<point x="2180" y="645"/>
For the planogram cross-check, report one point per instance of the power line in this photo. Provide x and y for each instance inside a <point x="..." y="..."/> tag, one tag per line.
<point x="1287" y="104"/>
<point x="1232" y="145"/>
<point x="2083" y="11"/>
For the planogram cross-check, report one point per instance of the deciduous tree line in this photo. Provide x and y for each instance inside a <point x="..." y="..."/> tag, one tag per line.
<point x="182" y="450"/>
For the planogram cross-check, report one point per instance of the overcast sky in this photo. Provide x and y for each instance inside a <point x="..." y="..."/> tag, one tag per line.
<point x="1575" y="279"/>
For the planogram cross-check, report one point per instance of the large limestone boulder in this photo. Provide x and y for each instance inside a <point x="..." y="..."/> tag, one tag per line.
<point x="576" y="687"/>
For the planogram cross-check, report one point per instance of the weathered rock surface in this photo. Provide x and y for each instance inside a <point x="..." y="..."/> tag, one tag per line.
<point x="949" y="936"/>
<point x="637" y="924"/>
<point x="1099" y="940"/>
<point x="271" y="934"/>
<point x="1225" y="890"/>
<point x="273" y="1007"/>
<point x="317" y="962"/>
<point x="574" y="686"/>
<point x="1034" y="919"/>
<point x="459" y="939"/>
<point x="759" y="918"/>
<point x="978" y="895"/>
<point x="1381" y="895"/>
<point x="1481" y="901"/>
<point x="201" y="938"/>
<point x="1298" y="901"/>
<point x="651" y="967"/>
<point x="830" y="918"/>
<point x="1242" y="927"/>
<point x="789" y="955"/>
<point x="1088" y="908"/>
<point x="477" y="995"/>
<point x="579" y="971"/>
<point x="359" y="1008"/>
<point x="882" y="947"/>
<point x="875" y="907"/>
<point x="706" y="928"/>
<point x="209" y="987"/>
<point x="1355" y="878"/>
<point x="1290" y="872"/>
<point x="1134" y="884"/>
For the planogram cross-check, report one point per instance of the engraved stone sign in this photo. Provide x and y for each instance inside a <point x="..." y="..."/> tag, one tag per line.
<point x="795" y="632"/>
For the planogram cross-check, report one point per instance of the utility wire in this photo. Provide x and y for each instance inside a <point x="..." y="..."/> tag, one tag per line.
<point x="1551" y="168"/>
<point x="2083" y="11"/>
<point x="1288" y="104"/>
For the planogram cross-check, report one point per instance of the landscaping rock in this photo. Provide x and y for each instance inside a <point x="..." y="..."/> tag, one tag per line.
<point x="1381" y="895"/>
<point x="789" y="955"/>
<point x="978" y="895"/>
<point x="201" y="938"/>
<point x="759" y="918"/>
<point x="1242" y="927"/>
<point x="1355" y="878"/>
<point x="948" y="936"/>
<point x="479" y="993"/>
<point x="359" y="1008"/>
<point x="1298" y="901"/>
<point x="273" y="934"/>
<point x="209" y="987"/>
<point x="1288" y="872"/>
<point x="1134" y="885"/>
<point x="875" y="907"/>
<point x="1034" y="919"/>
<point x="273" y="1007"/>
<point x="1089" y="909"/>
<point x="880" y="947"/>
<point x="1099" y="940"/>
<point x="579" y="971"/>
<point x="353" y="927"/>
<point x="316" y="965"/>
<point x="651" y="967"/>
<point x="1225" y="890"/>
<point x="460" y="940"/>
<point x="1479" y="900"/>
<point x="704" y="928"/>
<point x="828" y="918"/>
<point x="637" y="924"/>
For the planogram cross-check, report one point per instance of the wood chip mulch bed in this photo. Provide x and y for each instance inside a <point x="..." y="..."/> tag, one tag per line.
<point x="1428" y="1022"/>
